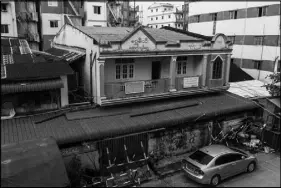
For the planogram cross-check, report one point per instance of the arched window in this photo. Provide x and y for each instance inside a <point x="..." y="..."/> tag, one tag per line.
<point x="217" y="68"/>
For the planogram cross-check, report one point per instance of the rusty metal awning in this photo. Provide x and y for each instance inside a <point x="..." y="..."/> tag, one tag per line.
<point x="32" y="86"/>
<point x="67" y="55"/>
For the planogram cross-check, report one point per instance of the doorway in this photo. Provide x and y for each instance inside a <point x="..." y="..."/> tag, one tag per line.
<point x="156" y="70"/>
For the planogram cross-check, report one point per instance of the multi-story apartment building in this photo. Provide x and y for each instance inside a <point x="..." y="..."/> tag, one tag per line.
<point x="164" y="14"/>
<point x="253" y="27"/>
<point x="54" y="14"/>
<point x="8" y="19"/>
<point x="39" y="21"/>
<point x="96" y="13"/>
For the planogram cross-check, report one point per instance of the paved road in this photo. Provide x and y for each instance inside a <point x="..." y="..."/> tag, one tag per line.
<point x="267" y="174"/>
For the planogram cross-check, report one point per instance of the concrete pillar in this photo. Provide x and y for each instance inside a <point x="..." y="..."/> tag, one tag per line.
<point x="228" y="59"/>
<point x="100" y="80"/>
<point x="204" y="70"/>
<point x="173" y="61"/>
<point x="64" y="92"/>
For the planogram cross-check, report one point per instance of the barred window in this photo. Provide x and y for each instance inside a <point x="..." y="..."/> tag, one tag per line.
<point x="258" y="40"/>
<point x="4" y="28"/>
<point x="181" y="65"/>
<point x="217" y="69"/>
<point x="197" y="18"/>
<point x="233" y="14"/>
<point x="214" y="16"/>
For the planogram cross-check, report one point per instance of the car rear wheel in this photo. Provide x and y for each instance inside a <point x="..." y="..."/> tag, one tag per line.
<point x="251" y="167"/>
<point x="215" y="180"/>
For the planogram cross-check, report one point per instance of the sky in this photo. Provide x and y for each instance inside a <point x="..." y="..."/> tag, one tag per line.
<point x="146" y="4"/>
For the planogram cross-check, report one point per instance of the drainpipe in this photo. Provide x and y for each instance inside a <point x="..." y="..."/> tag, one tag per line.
<point x="91" y="77"/>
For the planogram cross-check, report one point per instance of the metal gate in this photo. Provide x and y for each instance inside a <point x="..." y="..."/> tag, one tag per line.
<point x="118" y="150"/>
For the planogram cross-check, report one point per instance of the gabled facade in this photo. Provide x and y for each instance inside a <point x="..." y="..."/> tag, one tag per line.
<point x="145" y="63"/>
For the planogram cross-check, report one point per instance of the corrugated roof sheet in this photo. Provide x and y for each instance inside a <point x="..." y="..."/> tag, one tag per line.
<point x="107" y="34"/>
<point x="38" y="70"/>
<point x="66" y="55"/>
<point x="107" y="125"/>
<point x="39" y="85"/>
<point x="249" y="89"/>
<point x="35" y="163"/>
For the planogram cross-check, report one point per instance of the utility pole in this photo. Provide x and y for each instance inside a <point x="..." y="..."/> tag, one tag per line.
<point x="185" y="15"/>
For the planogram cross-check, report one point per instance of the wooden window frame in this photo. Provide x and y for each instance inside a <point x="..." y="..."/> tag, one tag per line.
<point x="128" y="65"/>
<point x="181" y="65"/>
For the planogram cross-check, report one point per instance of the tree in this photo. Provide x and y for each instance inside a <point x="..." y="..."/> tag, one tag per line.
<point x="273" y="88"/>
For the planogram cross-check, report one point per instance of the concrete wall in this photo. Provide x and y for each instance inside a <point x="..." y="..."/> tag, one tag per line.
<point x="46" y="29"/>
<point x="9" y="18"/>
<point x="65" y="37"/>
<point x="243" y="48"/>
<point x="179" y="140"/>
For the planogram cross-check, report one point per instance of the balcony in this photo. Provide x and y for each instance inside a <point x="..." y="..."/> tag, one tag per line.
<point x="117" y="90"/>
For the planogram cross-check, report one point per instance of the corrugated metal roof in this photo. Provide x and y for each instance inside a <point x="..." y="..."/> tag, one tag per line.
<point x="249" y="89"/>
<point x="107" y="125"/>
<point x="66" y="55"/>
<point x="39" y="85"/>
<point x="38" y="70"/>
<point x="108" y="34"/>
<point x="35" y="163"/>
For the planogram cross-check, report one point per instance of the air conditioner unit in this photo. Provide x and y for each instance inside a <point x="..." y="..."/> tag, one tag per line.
<point x="134" y="87"/>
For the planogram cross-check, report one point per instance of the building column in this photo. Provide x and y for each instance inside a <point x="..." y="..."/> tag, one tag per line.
<point x="100" y="79"/>
<point x="173" y="61"/>
<point x="64" y="92"/>
<point x="204" y="70"/>
<point x="227" y="68"/>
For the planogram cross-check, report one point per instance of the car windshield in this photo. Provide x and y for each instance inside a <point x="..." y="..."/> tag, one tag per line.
<point x="201" y="157"/>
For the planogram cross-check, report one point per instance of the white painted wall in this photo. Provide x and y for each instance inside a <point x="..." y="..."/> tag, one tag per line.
<point x="46" y="17"/>
<point x="258" y="74"/>
<point x="203" y="7"/>
<point x="254" y="52"/>
<point x="268" y="25"/>
<point x="65" y="37"/>
<point x="9" y="18"/>
<point x="142" y="70"/>
<point x="96" y="19"/>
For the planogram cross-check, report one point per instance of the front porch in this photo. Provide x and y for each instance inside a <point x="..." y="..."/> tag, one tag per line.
<point x="144" y="78"/>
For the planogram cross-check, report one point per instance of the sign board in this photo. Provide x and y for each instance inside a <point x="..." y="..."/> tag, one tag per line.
<point x="134" y="87"/>
<point x="191" y="82"/>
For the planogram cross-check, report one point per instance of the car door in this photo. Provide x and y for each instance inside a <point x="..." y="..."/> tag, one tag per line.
<point x="240" y="163"/>
<point x="222" y="166"/>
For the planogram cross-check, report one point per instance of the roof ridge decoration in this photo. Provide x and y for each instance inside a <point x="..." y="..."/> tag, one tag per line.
<point x="140" y="40"/>
<point x="135" y="31"/>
